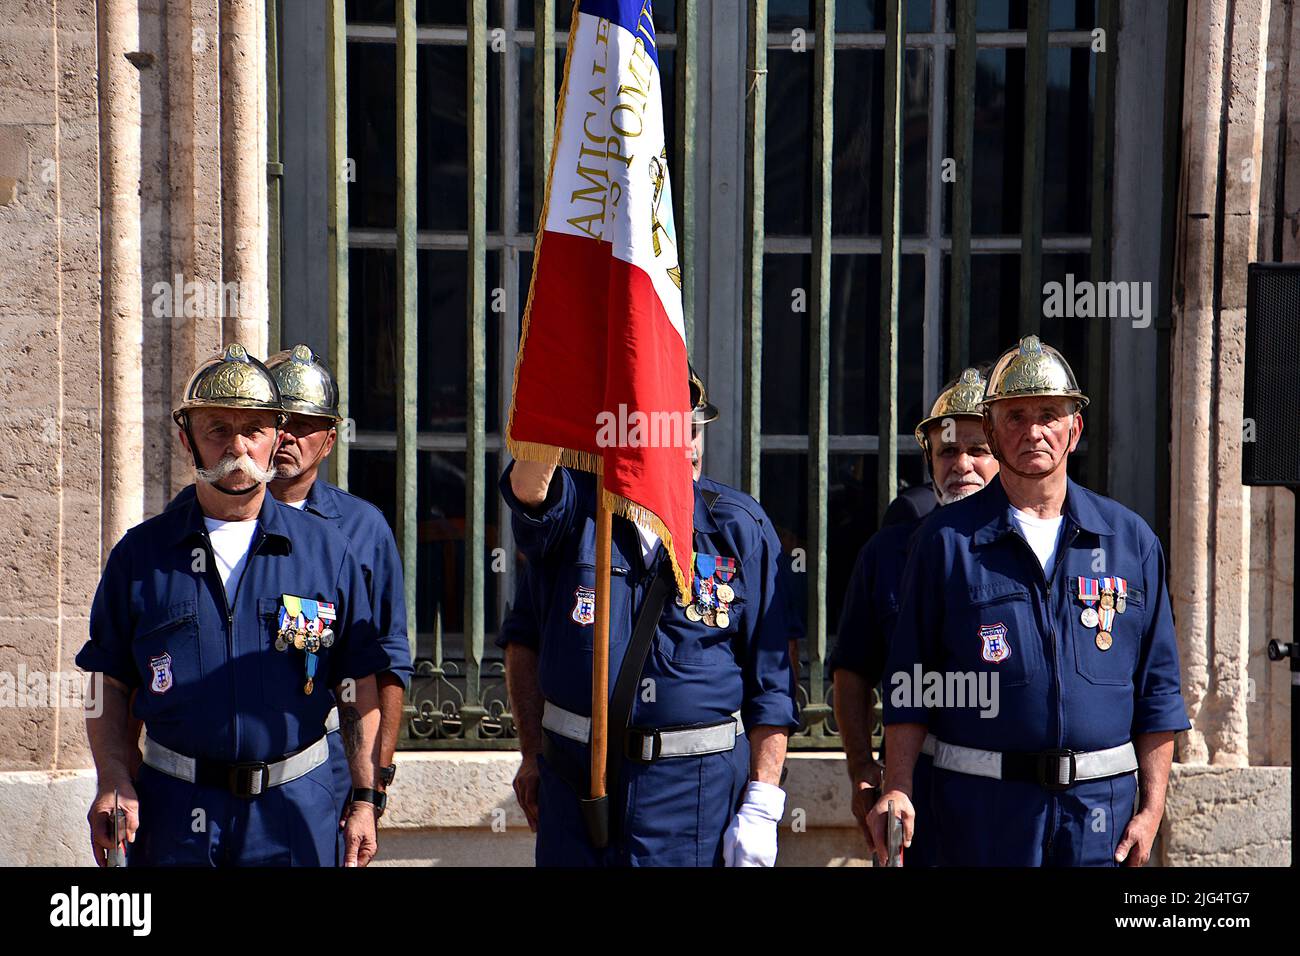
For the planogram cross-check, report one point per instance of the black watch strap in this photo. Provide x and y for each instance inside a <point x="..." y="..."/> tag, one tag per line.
<point x="367" y="795"/>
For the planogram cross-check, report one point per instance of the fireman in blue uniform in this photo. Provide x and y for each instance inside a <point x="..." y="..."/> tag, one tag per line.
<point x="699" y="781"/>
<point x="961" y="464"/>
<point x="1034" y="653"/>
<point x="235" y="620"/>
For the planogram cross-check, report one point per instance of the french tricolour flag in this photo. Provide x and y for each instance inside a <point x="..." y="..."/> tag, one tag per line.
<point x="601" y="378"/>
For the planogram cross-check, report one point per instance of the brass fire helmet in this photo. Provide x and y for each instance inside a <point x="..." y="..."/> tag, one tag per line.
<point x="1031" y="368"/>
<point x="306" y="386"/>
<point x="702" y="410"/>
<point x="233" y="379"/>
<point x="959" y="400"/>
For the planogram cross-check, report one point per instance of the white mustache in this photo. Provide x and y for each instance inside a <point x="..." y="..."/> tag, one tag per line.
<point x="230" y="464"/>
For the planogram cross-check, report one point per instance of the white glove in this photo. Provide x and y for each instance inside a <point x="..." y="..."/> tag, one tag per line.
<point x="750" y="840"/>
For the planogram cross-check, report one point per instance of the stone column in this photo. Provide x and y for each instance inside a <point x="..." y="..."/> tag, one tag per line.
<point x="123" y="333"/>
<point x="243" y="168"/>
<point x="1223" y="120"/>
<point x="194" y="164"/>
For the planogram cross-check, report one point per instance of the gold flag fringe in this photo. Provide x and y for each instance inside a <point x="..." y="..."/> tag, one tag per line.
<point x="617" y="504"/>
<point x="641" y="515"/>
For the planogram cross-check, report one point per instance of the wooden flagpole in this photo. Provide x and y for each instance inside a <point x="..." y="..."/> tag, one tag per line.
<point x="600" y="644"/>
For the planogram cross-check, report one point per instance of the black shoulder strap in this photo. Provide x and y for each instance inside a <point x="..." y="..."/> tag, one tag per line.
<point x="629" y="678"/>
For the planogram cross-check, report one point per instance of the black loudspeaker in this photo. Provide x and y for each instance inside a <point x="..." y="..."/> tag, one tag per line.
<point x="1270" y="450"/>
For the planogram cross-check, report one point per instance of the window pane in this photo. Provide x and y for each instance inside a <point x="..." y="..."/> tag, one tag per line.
<point x="851" y="16"/>
<point x="371" y="11"/>
<point x="999" y="141"/>
<point x="441" y="520"/>
<point x="1068" y="182"/>
<point x="994" y="305"/>
<point x="1012" y="14"/>
<point x="786" y="283"/>
<point x="443" y="357"/>
<point x="372" y="340"/>
<point x="856" y="185"/>
<point x="855" y="343"/>
<point x="788" y="169"/>
<point x="527" y="211"/>
<point x="447" y="13"/>
<point x="1066" y="333"/>
<point x="784" y="496"/>
<point x="443" y="138"/>
<point x="372" y="134"/>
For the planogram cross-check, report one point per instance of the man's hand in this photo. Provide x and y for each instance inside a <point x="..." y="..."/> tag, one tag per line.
<point x="359" y="839"/>
<point x="876" y="825"/>
<point x="866" y="790"/>
<point x="1135" y="845"/>
<point x="100" y="818"/>
<point x="750" y="840"/>
<point x="527" y="781"/>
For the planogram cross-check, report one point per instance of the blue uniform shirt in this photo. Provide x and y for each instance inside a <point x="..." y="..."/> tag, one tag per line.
<point x="373" y="545"/>
<point x="161" y="618"/>
<point x="871" y="603"/>
<point x="971" y="569"/>
<point x="701" y="674"/>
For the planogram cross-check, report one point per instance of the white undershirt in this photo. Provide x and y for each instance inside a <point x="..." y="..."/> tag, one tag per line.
<point x="1042" y="535"/>
<point x="649" y="545"/>
<point x="230" y="542"/>
<point x="297" y="504"/>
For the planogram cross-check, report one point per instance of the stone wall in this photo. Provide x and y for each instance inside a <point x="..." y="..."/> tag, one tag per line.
<point x="50" y="380"/>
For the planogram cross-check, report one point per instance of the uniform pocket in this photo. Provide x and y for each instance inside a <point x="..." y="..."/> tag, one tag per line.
<point x="996" y="631"/>
<point x="1116" y="664"/>
<point x="285" y="671"/>
<point x="574" y="616"/>
<point x="688" y="642"/>
<point x="167" y="657"/>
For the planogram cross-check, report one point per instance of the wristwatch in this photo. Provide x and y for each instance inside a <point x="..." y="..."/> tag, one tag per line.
<point x="386" y="775"/>
<point x="367" y="795"/>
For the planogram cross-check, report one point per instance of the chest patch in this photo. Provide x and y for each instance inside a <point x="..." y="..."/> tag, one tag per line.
<point x="584" y="605"/>
<point x="996" y="648"/>
<point x="162" y="673"/>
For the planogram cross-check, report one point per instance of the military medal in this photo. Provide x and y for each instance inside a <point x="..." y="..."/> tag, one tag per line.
<point x="722" y="618"/>
<point x="1106" y="622"/>
<point x="1121" y="595"/>
<point x="711" y="618"/>
<point x="1088" y="593"/>
<point x="693" y="613"/>
<point x="726" y="571"/>
<point x="1108" y="593"/>
<point x="303" y="625"/>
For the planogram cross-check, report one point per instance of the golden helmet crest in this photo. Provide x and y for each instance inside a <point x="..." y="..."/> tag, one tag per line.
<point x="1032" y="368"/>
<point x="959" y="400"/>
<point x="306" y="386"/>
<point x="703" y="411"/>
<point x="233" y="379"/>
